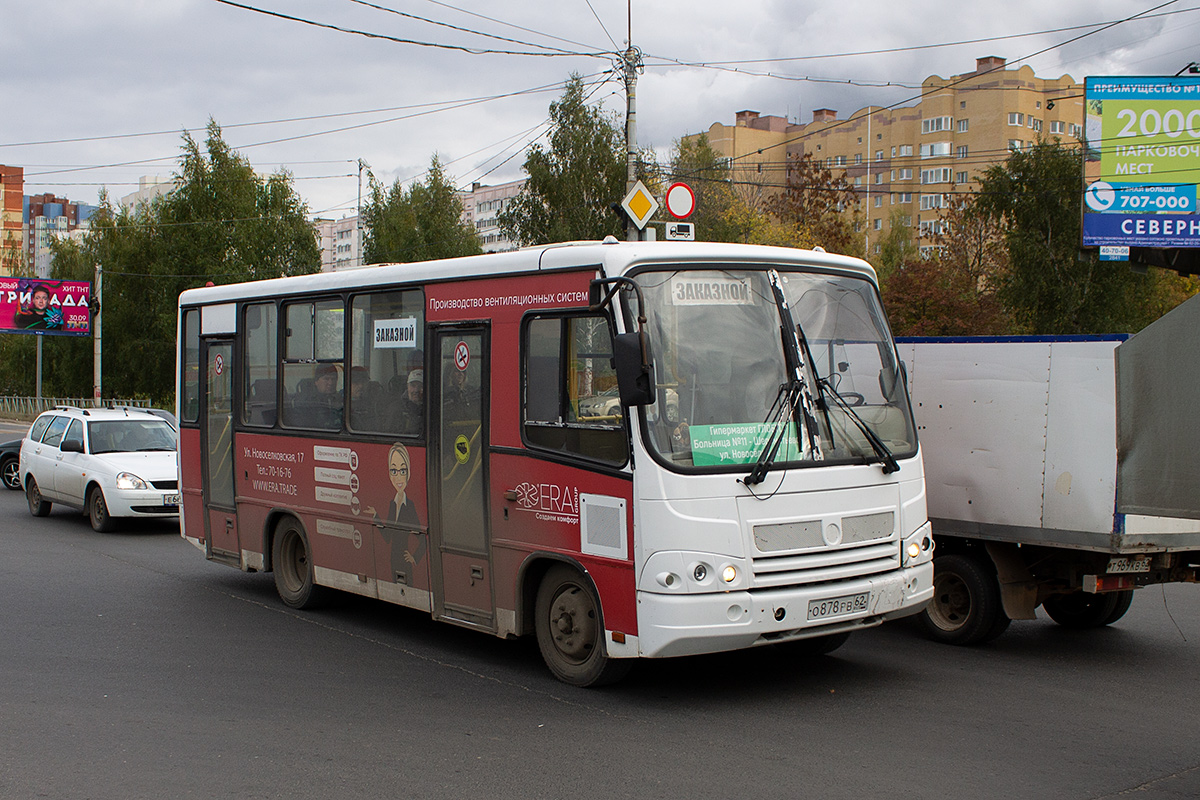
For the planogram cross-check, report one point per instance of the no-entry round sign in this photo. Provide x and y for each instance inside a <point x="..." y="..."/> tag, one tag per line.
<point x="681" y="202"/>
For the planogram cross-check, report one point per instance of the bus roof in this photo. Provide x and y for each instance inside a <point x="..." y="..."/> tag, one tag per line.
<point x="614" y="257"/>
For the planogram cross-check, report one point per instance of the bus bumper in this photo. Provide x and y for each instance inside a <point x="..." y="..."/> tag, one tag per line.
<point x="689" y="624"/>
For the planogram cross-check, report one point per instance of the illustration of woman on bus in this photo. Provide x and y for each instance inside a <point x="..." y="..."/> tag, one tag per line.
<point x="402" y="524"/>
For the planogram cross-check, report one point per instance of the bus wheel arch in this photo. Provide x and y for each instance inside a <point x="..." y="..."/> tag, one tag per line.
<point x="568" y="622"/>
<point x="292" y="565"/>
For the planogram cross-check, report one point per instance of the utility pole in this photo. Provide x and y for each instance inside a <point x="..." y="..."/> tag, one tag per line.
<point x="631" y="63"/>
<point x="358" y="243"/>
<point x="97" y="291"/>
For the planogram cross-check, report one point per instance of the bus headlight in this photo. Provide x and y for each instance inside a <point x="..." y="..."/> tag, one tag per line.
<point x="700" y="573"/>
<point x="917" y="547"/>
<point x="729" y="574"/>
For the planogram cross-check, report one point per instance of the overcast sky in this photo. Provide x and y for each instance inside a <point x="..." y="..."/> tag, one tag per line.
<point x="123" y="78"/>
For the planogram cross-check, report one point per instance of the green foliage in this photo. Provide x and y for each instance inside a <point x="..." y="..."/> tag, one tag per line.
<point x="222" y="224"/>
<point x="573" y="184"/>
<point x="1050" y="286"/>
<point x="898" y="246"/>
<point x="718" y="210"/>
<point x="421" y="223"/>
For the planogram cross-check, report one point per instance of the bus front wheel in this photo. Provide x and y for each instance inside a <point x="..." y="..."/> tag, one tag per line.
<point x="292" y="563"/>
<point x="570" y="633"/>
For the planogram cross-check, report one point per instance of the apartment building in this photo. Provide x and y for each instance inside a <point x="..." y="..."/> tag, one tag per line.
<point x="46" y="217"/>
<point x="906" y="163"/>
<point x="340" y="242"/>
<point x="480" y="207"/>
<point x="12" y="198"/>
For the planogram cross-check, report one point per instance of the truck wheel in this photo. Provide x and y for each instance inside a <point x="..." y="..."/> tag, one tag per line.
<point x="1081" y="611"/>
<point x="966" y="606"/>
<point x="1124" y="600"/>
<point x="291" y="561"/>
<point x="570" y="633"/>
<point x="815" y="645"/>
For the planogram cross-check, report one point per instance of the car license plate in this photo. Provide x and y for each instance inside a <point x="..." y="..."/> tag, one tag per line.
<point x="170" y="499"/>
<point x="836" y="606"/>
<point x="1122" y="565"/>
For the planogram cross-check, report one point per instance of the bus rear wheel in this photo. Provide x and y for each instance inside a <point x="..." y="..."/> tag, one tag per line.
<point x="570" y="632"/>
<point x="291" y="560"/>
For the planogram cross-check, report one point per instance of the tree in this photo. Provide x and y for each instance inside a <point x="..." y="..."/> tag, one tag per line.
<point x="1050" y="286"/>
<point x="898" y="246"/>
<point x="814" y="201"/>
<point x="694" y="162"/>
<point x="423" y="222"/>
<point x="222" y="223"/>
<point x="573" y="184"/>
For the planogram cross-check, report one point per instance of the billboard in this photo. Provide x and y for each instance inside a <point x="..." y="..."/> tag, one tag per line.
<point x="39" y="306"/>
<point x="1142" y="162"/>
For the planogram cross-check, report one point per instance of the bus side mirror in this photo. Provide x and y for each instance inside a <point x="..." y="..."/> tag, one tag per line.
<point x="633" y="373"/>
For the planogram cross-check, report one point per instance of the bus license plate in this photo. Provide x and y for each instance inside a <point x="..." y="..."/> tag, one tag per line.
<point x="170" y="499"/>
<point x="1122" y="565"/>
<point x="836" y="606"/>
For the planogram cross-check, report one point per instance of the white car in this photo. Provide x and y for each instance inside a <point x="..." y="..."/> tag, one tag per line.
<point x="108" y="463"/>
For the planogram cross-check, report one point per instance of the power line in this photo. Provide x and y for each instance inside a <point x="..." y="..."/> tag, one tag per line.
<point x="456" y="27"/>
<point x="400" y="40"/>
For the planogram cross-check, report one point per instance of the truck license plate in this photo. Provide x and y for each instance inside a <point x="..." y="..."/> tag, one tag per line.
<point x="836" y="606"/>
<point x="1122" y="565"/>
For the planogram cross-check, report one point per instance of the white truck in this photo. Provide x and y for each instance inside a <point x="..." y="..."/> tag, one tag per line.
<point x="1060" y="471"/>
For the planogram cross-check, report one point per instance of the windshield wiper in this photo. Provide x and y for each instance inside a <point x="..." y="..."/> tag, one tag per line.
<point x="782" y="413"/>
<point x="888" y="461"/>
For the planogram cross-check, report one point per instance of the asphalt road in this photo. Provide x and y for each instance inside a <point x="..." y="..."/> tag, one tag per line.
<point x="132" y="668"/>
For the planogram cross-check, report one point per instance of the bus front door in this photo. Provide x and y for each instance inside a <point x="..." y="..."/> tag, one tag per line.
<point x="462" y="569"/>
<point x="216" y="453"/>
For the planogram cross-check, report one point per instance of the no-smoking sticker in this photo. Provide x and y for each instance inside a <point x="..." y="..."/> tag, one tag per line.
<point x="219" y="364"/>
<point x="462" y="356"/>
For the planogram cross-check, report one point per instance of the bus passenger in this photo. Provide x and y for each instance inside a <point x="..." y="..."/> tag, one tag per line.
<point x="408" y="414"/>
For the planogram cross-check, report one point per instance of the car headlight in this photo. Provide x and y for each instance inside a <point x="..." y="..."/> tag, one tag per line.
<point x="127" y="480"/>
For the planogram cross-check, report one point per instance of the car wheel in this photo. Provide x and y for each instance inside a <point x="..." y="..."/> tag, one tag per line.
<point x="38" y="506"/>
<point x="10" y="472"/>
<point x="98" y="511"/>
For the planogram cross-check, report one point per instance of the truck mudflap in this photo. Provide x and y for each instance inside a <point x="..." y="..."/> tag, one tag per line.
<point x="677" y="625"/>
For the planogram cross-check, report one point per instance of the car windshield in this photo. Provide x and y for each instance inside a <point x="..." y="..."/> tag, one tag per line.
<point x="721" y="373"/>
<point x="130" y="436"/>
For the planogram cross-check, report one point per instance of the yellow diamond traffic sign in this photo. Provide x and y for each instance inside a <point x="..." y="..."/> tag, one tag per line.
<point x="640" y="205"/>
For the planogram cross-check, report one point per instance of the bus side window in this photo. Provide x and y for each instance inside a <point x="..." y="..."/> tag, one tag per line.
<point x="387" y="357"/>
<point x="261" y="362"/>
<point x="314" y="347"/>
<point x="571" y="404"/>
<point x="189" y="403"/>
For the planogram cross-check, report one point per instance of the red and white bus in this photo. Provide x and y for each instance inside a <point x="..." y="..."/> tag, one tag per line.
<point x="625" y="449"/>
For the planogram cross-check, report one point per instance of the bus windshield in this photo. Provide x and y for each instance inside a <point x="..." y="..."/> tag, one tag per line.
<point x="721" y="370"/>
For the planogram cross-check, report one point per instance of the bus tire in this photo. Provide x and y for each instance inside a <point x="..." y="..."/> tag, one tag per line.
<point x="570" y="632"/>
<point x="966" y="607"/>
<point x="38" y="505"/>
<point x="1082" y="611"/>
<point x="291" y="561"/>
